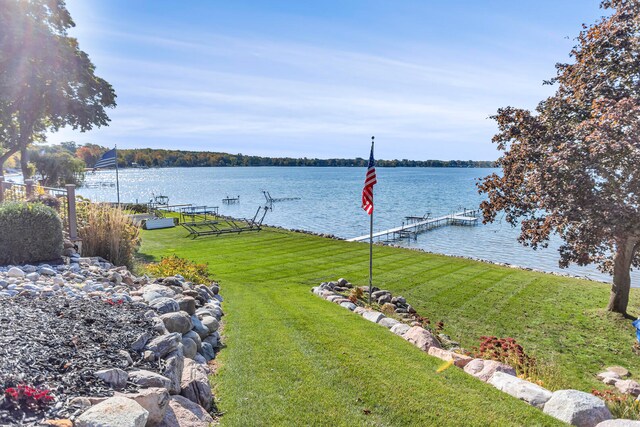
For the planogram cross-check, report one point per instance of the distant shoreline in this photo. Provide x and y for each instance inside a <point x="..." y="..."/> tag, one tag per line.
<point x="150" y="157"/>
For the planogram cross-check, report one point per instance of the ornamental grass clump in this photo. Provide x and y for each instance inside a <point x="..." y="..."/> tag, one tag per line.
<point x="108" y="232"/>
<point x="622" y="406"/>
<point x="31" y="232"/>
<point x="356" y="294"/>
<point x="172" y="265"/>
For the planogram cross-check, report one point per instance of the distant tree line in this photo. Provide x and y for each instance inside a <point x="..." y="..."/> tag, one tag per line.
<point x="148" y="157"/>
<point x="56" y="165"/>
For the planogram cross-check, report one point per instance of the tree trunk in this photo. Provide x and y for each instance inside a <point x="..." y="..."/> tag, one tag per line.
<point x="24" y="163"/>
<point x="622" y="259"/>
<point x="5" y="157"/>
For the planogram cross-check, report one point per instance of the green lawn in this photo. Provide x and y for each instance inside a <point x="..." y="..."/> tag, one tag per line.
<point x="295" y="359"/>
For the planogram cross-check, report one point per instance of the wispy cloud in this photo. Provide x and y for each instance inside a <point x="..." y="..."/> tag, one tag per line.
<point x="266" y="95"/>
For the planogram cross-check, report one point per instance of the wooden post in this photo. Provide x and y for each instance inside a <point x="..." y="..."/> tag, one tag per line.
<point x="1" y="188"/>
<point x="71" y="212"/>
<point x="29" y="184"/>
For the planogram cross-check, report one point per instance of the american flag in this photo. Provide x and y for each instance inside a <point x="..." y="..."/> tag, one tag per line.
<point x="107" y="159"/>
<point x="369" y="182"/>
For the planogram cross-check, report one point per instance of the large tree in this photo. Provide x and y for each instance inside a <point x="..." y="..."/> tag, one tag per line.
<point x="573" y="166"/>
<point x="46" y="81"/>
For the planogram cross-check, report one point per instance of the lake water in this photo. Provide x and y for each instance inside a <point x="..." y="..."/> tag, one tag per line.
<point x="330" y="203"/>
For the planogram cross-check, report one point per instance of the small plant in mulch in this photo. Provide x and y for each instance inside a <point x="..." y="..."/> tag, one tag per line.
<point x="25" y="397"/>
<point x="506" y="350"/>
<point x="425" y="322"/>
<point x="388" y="309"/>
<point x="621" y="405"/>
<point x="356" y="294"/>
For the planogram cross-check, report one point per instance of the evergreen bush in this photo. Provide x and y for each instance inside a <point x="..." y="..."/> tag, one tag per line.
<point x="29" y="232"/>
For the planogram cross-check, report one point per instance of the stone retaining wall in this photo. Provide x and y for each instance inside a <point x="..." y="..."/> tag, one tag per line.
<point x="182" y="338"/>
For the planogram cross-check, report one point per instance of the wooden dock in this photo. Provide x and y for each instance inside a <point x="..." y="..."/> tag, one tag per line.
<point x="412" y="228"/>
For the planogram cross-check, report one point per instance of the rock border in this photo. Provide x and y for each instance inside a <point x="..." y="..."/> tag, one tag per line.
<point x="571" y="406"/>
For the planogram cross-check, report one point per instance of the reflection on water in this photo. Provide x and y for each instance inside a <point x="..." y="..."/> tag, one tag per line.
<point x="330" y="203"/>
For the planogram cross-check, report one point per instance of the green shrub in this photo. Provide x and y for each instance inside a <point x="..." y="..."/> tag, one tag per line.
<point x="136" y="208"/>
<point x="30" y="232"/>
<point x="172" y="265"/>
<point x="107" y="232"/>
<point x="47" y="200"/>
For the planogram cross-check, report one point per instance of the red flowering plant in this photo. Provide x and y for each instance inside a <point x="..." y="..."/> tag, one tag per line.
<point x="28" y="397"/>
<point x="506" y="350"/>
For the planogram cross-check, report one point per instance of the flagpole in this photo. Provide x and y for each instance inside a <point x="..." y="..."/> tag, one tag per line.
<point x="371" y="242"/>
<point x="117" y="179"/>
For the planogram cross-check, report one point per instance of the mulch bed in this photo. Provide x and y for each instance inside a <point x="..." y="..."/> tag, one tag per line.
<point x="57" y="344"/>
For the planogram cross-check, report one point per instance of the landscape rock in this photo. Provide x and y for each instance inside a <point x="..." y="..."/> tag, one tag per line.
<point x="388" y="322"/>
<point x="622" y="372"/>
<point x="211" y="323"/>
<point x="207" y="351"/>
<point x="348" y="305"/>
<point x="173" y="367"/>
<point x="198" y="327"/>
<point x="360" y="310"/>
<point x="484" y="369"/>
<point x="195" y="384"/>
<point x="400" y="329"/>
<point x="628" y="387"/>
<point x="164" y="305"/>
<point x="148" y="379"/>
<point x="531" y="393"/>
<point x="195" y="338"/>
<point x="187" y="304"/>
<point x="15" y="272"/>
<point x="116" y="411"/>
<point x="32" y="276"/>
<point x="577" y="408"/>
<point x="164" y="344"/>
<point x="154" y="400"/>
<point x="179" y="322"/>
<point x="384" y="299"/>
<point x="377" y="294"/>
<point x="141" y="341"/>
<point x="459" y="360"/>
<point x="421" y="338"/>
<point x="189" y="347"/>
<point x="47" y="271"/>
<point x="184" y="413"/>
<point x="162" y="291"/>
<point x="608" y="377"/>
<point x="116" y="378"/>
<point x="373" y="316"/>
<point x="619" y="423"/>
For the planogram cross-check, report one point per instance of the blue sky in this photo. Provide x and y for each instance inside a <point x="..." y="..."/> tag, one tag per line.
<point x="317" y="79"/>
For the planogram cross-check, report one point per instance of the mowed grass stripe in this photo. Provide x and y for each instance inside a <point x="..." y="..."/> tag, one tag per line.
<point x="559" y="320"/>
<point x="336" y="359"/>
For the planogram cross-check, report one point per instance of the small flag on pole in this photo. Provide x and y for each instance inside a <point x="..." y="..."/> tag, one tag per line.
<point x="107" y="159"/>
<point x="369" y="182"/>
